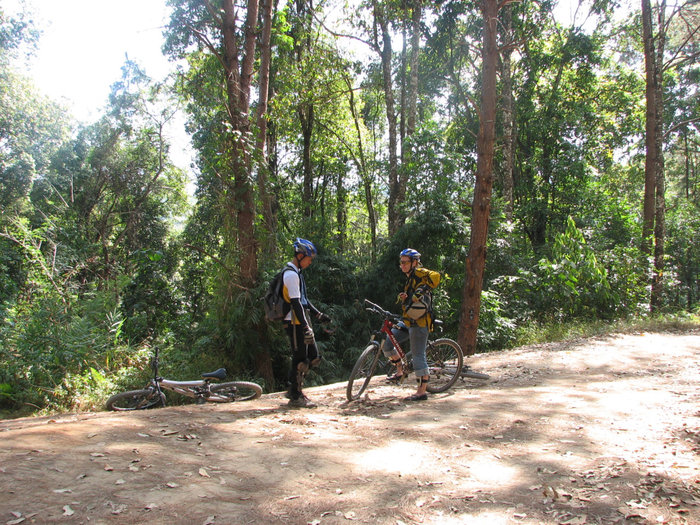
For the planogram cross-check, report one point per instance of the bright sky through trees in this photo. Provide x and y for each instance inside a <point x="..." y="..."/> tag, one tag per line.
<point x="84" y="44"/>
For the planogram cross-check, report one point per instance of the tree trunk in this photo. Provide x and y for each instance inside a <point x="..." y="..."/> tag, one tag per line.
<point x="403" y="86"/>
<point x="654" y="219"/>
<point x="241" y="234"/>
<point x="413" y="69"/>
<point x="394" y="204"/>
<point x="409" y="109"/>
<point x="263" y="359"/>
<point x="306" y="119"/>
<point x="341" y="215"/>
<point x="660" y="203"/>
<point x="650" y="138"/>
<point x="506" y="171"/>
<point x="481" y="207"/>
<point x="362" y="169"/>
<point x="263" y="94"/>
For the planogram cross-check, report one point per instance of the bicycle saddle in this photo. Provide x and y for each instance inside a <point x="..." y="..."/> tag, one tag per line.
<point x="216" y="374"/>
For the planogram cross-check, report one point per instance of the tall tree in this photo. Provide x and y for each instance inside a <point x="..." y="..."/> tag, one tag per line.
<point x="226" y="46"/>
<point x="481" y="206"/>
<point x="652" y="126"/>
<point x="508" y="131"/>
<point x="382" y="43"/>
<point x="400" y="88"/>
<point x="656" y="24"/>
<point x="269" y="217"/>
<point x="228" y="32"/>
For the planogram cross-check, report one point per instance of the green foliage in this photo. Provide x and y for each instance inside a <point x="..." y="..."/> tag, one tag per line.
<point x="683" y="260"/>
<point x="496" y="330"/>
<point x="12" y="274"/>
<point x="147" y="303"/>
<point x="550" y="331"/>
<point x="44" y="344"/>
<point x="31" y="129"/>
<point x="573" y="282"/>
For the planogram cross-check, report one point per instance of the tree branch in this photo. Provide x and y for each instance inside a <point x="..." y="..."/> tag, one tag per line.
<point x="680" y="125"/>
<point x="204" y="40"/>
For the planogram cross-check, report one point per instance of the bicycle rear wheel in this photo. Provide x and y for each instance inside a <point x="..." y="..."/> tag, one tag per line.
<point x="135" y="400"/>
<point x="362" y="371"/>
<point x="445" y="361"/>
<point x="234" y="391"/>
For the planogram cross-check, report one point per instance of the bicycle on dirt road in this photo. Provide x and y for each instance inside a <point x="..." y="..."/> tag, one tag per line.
<point x="203" y="390"/>
<point x="444" y="356"/>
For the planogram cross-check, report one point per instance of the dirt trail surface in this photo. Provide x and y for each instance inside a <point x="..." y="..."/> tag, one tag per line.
<point x="601" y="430"/>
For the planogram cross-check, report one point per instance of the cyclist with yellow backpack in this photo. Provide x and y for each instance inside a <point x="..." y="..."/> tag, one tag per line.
<point x="416" y="304"/>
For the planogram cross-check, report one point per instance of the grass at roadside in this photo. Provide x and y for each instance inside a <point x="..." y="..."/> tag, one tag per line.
<point x="563" y="331"/>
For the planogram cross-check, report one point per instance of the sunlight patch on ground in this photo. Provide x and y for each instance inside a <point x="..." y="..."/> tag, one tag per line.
<point x="491" y="470"/>
<point x="395" y="456"/>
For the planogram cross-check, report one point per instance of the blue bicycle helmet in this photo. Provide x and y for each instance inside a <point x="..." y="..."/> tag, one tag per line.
<point x="410" y="253"/>
<point x="305" y="247"/>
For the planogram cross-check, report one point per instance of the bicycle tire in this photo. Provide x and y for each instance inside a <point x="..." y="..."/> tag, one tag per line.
<point x="445" y="360"/>
<point x="135" y="400"/>
<point x="234" y="391"/>
<point x="362" y="371"/>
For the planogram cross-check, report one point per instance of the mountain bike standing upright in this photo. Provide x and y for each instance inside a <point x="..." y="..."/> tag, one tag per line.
<point x="444" y="357"/>
<point x="203" y="390"/>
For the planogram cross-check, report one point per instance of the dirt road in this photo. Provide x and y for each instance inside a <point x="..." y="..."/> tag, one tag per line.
<point x="602" y="430"/>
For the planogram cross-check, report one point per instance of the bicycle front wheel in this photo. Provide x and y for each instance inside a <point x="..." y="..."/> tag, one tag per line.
<point x="362" y="371"/>
<point x="234" y="391"/>
<point x="136" y="400"/>
<point x="445" y="361"/>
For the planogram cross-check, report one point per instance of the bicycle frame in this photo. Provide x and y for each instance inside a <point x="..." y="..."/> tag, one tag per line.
<point x="200" y="388"/>
<point x="386" y="329"/>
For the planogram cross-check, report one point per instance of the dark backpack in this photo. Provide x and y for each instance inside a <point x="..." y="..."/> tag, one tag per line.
<point x="273" y="302"/>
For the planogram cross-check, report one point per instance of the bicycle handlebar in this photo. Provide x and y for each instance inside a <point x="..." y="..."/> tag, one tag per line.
<point x="378" y="309"/>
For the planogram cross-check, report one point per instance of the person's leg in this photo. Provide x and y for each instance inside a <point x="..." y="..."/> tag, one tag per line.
<point x="296" y="339"/>
<point x="419" y="340"/>
<point x="301" y="361"/>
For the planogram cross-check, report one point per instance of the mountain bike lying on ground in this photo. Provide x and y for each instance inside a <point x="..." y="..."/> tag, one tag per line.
<point x="202" y="390"/>
<point x="445" y="359"/>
